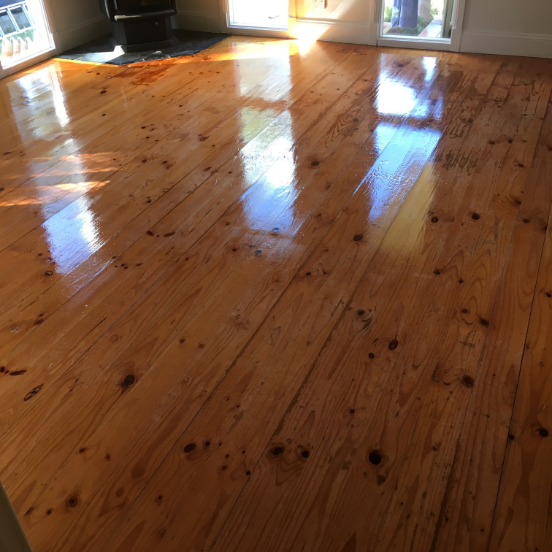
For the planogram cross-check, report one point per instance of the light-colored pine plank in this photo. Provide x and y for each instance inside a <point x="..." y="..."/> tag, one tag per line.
<point x="153" y="199"/>
<point x="187" y="229"/>
<point x="221" y="285"/>
<point x="334" y="121"/>
<point x="522" y="518"/>
<point x="250" y="401"/>
<point x="496" y="322"/>
<point x="349" y="406"/>
<point x="128" y="95"/>
<point x="181" y="104"/>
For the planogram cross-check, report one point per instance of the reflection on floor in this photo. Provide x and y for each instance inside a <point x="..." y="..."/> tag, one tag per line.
<point x="278" y="297"/>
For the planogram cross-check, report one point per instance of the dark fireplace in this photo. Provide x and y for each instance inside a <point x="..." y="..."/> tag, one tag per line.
<point x="139" y="25"/>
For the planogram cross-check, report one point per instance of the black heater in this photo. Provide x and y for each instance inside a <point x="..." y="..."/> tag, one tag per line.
<point x="140" y="25"/>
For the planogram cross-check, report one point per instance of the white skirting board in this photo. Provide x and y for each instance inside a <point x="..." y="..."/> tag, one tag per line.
<point x="531" y="45"/>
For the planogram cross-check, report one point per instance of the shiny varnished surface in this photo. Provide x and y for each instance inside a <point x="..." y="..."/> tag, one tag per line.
<point x="279" y="296"/>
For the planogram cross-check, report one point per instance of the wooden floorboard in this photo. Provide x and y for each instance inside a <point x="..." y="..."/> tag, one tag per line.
<point x="277" y="297"/>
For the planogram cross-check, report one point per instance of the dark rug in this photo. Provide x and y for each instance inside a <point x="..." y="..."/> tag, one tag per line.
<point x="102" y="50"/>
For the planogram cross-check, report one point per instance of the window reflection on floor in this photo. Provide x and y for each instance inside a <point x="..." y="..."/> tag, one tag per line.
<point x="264" y="60"/>
<point x="71" y="233"/>
<point x="396" y="98"/>
<point x="42" y="85"/>
<point x="429" y="64"/>
<point x="407" y="150"/>
<point x="403" y="147"/>
<point x="271" y="202"/>
<point x="268" y="159"/>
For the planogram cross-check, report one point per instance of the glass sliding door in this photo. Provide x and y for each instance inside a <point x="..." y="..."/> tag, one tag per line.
<point x="24" y="33"/>
<point x="421" y="22"/>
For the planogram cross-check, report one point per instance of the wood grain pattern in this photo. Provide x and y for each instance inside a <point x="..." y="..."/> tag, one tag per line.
<point x="471" y="494"/>
<point x="276" y="297"/>
<point x="342" y="412"/>
<point x="522" y="518"/>
<point x="158" y="197"/>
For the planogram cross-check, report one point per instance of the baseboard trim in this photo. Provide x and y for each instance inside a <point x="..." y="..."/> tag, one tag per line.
<point x="508" y="44"/>
<point x="65" y="40"/>
<point x="197" y="22"/>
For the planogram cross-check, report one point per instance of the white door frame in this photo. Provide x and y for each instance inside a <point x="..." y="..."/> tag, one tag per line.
<point x="42" y="55"/>
<point x="440" y="44"/>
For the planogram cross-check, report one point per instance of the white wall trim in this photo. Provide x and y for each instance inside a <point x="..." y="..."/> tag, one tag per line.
<point x="509" y="44"/>
<point x="71" y="38"/>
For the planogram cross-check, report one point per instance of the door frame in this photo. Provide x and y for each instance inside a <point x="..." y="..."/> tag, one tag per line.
<point x="44" y="54"/>
<point x="438" y="44"/>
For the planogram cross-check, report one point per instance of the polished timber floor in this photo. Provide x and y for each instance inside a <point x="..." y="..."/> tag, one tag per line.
<point x="278" y="297"/>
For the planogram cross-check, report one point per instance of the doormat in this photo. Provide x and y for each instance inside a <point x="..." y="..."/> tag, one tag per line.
<point x="102" y="50"/>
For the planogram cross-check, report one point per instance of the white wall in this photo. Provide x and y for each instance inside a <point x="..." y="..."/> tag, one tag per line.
<point x="514" y="16"/>
<point x="511" y="27"/>
<point x="74" y="22"/>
